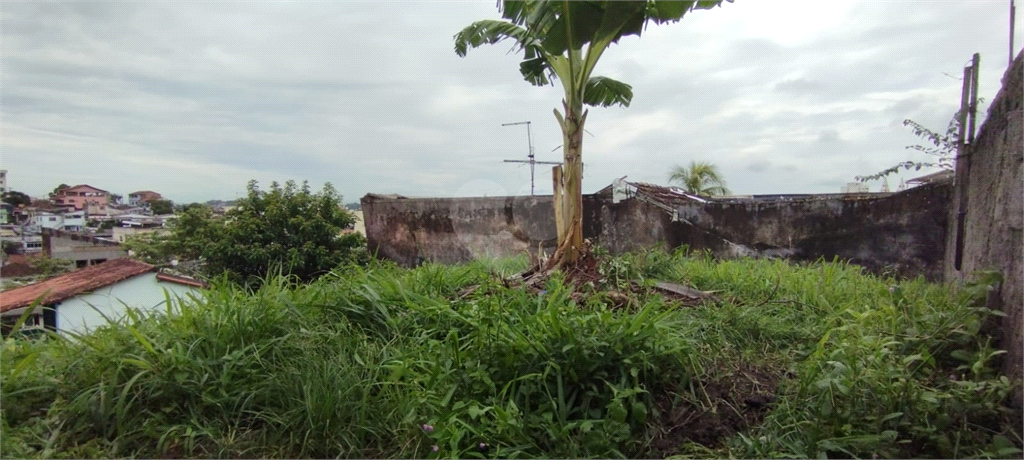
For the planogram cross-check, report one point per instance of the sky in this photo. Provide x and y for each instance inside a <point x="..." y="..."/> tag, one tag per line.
<point x="195" y="99"/>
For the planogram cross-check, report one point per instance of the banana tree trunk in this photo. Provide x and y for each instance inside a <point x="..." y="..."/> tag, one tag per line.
<point x="570" y="201"/>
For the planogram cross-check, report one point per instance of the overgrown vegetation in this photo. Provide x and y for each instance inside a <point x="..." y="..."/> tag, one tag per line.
<point x="384" y="362"/>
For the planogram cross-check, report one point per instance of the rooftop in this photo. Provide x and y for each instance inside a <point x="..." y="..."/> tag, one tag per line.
<point x="74" y="283"/>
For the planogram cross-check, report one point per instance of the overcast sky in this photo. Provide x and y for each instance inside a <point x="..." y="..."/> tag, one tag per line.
<point x="194" y="99"/>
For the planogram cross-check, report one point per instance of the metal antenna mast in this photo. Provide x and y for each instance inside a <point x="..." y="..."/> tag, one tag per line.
<point x="532" y="161"/>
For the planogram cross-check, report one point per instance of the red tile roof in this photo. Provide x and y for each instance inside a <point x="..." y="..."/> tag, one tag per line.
<point x="82" y="187"/>
<point x="74" y="283"/>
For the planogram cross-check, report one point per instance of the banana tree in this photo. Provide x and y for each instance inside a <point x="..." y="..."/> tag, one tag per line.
<point x="564" y="40"/>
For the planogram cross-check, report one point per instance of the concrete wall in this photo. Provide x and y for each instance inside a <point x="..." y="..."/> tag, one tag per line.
<point x="991" y="178"/>
<point x="902" y="233"/>
<point x="82" y="249"/>
<point x="144" y="293"/>
<point x="451" y="230"/>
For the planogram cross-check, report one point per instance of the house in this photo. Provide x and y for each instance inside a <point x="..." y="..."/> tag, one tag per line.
<point x="142" y="197"/>
<point x="6" y="210"/>
<point x="82" y="196"/>
<point x="82" y="249"/>
<point x="83" y="300"/>
<point x="29" y="242"/>
<point x="131" y="225"/>
<point x="67" y="221"/>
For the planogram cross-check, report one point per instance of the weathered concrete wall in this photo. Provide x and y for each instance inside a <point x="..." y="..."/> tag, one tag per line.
<point x="629" y="225"/>
<point x="80" y="248"/>
<point x="902" y="233"/>
<point x="991" y="177"/>
<point x="450" y="230"/>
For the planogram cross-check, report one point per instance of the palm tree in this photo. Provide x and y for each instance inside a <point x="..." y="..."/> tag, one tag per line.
<point x="700" y="178"/>
<point x="564" y="40"/>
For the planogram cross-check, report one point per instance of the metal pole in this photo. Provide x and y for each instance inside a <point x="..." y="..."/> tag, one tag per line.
<point x="529" y="140"/>
<point x="532" y="160"/>
<point x="1013" y="16"/>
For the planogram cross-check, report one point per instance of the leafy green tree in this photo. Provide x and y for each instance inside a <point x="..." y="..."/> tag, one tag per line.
<point x="161" y="206"/>
<point x="57" y="190"/>
<point x="564" y="41"/>
<point x="185" y="207"/>
<point x="700" y="178"/>
<point x="287" y="228"/>
<point x="16" y="198"/>
<point x="115" y="198"/>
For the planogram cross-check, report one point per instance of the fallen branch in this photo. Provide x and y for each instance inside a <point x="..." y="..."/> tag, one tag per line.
<point x="685" y="291"/>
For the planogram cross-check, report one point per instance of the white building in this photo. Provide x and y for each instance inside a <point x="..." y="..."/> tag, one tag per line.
<point x="69" y="221"/>
<point x="855" y="187"/>
<point x="82" y="300"/>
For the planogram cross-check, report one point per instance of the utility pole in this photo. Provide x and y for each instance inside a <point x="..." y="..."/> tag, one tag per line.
<point x="1013" y="14"/>
<point x="532" y="161"/>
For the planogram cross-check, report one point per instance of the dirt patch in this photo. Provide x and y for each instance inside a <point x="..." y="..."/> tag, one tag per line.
<point x="583" y="271"/>
<point x="18" y="270"/>
<point x="732" y="401"/>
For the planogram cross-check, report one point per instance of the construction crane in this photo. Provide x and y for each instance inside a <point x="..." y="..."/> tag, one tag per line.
<point x="532" y="160"/>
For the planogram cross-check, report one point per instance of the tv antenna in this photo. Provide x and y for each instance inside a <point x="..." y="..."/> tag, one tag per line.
<point x="532" y="160"/>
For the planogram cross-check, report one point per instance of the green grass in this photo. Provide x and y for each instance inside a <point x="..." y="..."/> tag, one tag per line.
<point x="356" y="364"/>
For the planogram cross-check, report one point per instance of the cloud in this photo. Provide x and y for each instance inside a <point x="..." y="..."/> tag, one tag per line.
<point x="195" y="99"/>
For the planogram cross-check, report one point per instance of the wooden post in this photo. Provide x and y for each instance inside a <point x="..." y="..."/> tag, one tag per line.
<point x="963" y="163"/>
<point x="974" y="96"/>
<point x="556" y="182"/>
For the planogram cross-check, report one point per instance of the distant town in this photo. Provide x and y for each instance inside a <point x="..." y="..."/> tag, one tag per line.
<point x="92" y="212"/>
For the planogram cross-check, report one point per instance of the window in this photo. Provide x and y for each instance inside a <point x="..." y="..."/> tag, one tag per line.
<point x="34" y="321"/>
<point x="33" y="244"/>
<point x="53" y="219"/>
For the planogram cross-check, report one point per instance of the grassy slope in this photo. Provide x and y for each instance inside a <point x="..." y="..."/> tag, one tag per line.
<point x="356" y="364"/>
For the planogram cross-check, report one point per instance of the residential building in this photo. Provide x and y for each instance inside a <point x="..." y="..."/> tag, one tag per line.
<point x="117" y="210"/>
<point x="81" y="196"/>
<point x="142" y="197"/>
<point x="130" y="225"/>
<point x="83" y="300"/>
<point x="855" y="187"/>
<point x="5" y="212"/>
<point x="82" y="249"/>
<point x="67" y="221"/>
<point x="30" y="242"/>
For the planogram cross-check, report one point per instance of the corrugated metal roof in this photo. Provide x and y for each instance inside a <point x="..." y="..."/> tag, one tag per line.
<point x="74" y="283"/>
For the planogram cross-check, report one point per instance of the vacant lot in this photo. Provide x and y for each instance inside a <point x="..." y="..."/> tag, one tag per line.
<point x="782" y="361"/>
